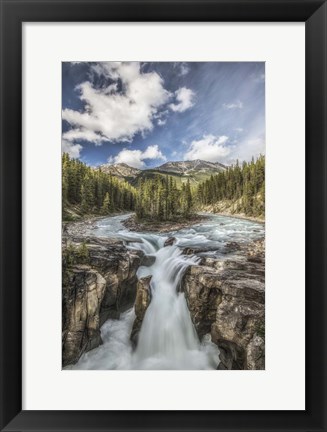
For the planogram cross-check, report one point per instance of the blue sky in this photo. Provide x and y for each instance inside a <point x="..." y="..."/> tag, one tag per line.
<point x="145" y="114"/>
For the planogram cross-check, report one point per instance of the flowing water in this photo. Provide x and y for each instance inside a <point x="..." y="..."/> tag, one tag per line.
<point x="167" y="339"/>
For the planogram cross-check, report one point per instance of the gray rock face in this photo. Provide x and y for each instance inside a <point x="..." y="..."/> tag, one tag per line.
<point x="255" y="353"/>
<point x="81" y="309"/>
<point x="227" y="299"/>
<point x="203" y="295"/>
<point x="99" y="282"/>
<point x="148" y="260"/>
<point x="143" y="298"/>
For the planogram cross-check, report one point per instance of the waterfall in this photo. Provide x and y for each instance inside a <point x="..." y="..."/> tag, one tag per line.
<point x="168" y="339"/>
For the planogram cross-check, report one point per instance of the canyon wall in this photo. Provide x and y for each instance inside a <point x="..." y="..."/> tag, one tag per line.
<point x="99" y="282"/>
<point x="226" y="298"/>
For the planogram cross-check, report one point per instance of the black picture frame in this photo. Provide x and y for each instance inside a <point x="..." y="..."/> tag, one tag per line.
<point x="13" y="14"/>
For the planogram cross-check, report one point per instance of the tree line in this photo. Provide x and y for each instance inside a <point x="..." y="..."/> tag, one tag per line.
<point x="243" y="184"/>
<point x="93" y="191"/>
<point x="159" y="198"/>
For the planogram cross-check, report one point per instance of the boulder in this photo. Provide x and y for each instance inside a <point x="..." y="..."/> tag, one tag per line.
<point x="189" y="251"/>
<point x="170" y="241"/>
<point x="232" y="247"/>
<point x="148" y="260"/>
<point x="198" y="250"/>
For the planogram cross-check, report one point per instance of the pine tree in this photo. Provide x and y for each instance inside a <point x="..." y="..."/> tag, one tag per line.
<point x="188" y="197"/>
<point x="105" y="209"/>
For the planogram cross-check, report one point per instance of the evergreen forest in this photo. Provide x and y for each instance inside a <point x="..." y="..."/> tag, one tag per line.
<point x="159" y="198"/>
<point x="89" y="191"/>
<point x="243" y="185"/>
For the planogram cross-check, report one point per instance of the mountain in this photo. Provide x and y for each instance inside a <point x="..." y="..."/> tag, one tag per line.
<point x="121" y="170"/>
<point x="190" y="167"/>
<point x="196" y="171"/>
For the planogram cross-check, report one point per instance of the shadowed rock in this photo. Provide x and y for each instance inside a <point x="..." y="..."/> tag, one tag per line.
<point x="148" y="260"/>
<point x="143" y="298"/>
<point x="88" y="265"/>
<point x="81" y="309"/>
<point x="170" y="241"/>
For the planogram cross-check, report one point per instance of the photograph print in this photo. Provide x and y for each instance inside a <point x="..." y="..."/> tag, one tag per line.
<point x="163" y="215"/>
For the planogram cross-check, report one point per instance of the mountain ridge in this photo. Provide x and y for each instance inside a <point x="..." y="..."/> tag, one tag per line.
<point x="120" y="170"/>
<point x="195" y="170"/>
<point x="190" y="165"/>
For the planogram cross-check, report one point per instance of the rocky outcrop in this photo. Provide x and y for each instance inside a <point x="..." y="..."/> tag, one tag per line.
<point x="85" y="289"/>
<point x="255" y="353"/>
<point x="231" y="208"/>
<point x="226" y="298"/>
<point x="99" y="282"/>
<point x="148" y="260"/>
<point x="170" y="241"/>
<point x="202" y="293"/>
<point x="142" y="301"/>
<point x="134" y="224"/>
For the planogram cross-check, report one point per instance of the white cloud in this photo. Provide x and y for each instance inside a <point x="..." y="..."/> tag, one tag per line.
<point x="74" y="150"/>
<point x="209" y="148"/>
<point x="184" y="98"/>
<point x="235" y="105"/>
<point x="239" y="130"/>
<point x="250" y="147"/>
<point x="182" y="68"/>
<point x="113" y="116"/>
<point x="83" y="134"/>
<point x="162" y="122"/>
<point x="136" y="158"/>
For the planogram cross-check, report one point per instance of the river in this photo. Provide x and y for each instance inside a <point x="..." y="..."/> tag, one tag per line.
<point x="167" y="339"/>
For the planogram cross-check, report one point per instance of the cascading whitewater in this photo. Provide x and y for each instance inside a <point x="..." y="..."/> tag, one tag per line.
<point x="167" y="339"/>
